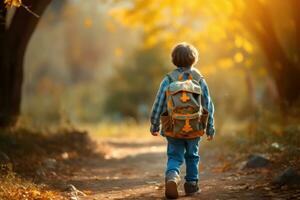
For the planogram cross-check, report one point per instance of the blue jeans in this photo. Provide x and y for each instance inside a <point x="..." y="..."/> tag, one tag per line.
<point x="180" y="150"/>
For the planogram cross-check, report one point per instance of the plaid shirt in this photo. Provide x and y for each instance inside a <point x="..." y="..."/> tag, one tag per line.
<point x="160" y="106"/>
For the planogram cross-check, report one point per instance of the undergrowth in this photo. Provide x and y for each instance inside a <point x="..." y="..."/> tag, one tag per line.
<point x="25" y="151"/>
<point x="13" y="187"/>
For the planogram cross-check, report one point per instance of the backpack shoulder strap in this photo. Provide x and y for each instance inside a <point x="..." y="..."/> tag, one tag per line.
<point x="173" y="75"/>
<point x="196" y="74"/>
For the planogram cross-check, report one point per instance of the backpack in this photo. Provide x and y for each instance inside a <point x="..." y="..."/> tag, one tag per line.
<point x="185" y="116"/>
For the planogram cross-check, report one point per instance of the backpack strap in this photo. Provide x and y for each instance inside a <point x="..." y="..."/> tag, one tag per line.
<point x="173" y="75"/>
<point x="196" y="74"/>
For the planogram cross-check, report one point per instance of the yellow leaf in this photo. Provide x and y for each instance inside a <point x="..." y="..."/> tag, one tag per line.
<point x="248" y="47"/>
<point x="35" y="193"/>
<point x="238" y="41"/>
<point x="13" y="3"/>
<point x="238" y="57"/>
<point x="150" y="41"/>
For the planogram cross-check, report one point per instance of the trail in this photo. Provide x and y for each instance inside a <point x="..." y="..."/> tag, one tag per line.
<point x="134" y="168"/>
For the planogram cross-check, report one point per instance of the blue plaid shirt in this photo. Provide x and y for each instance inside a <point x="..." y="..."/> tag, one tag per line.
<point x="160" y="106"/>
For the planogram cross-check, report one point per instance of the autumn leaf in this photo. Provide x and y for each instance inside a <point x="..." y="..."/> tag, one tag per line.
<point x="13" y="3"/>
<point x="18" y="3"/>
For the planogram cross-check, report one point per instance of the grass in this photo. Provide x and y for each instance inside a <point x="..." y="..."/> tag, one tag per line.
<point x="27" y="149"/>
<point x="15" y="188"/>
<point x="118" y="130"/>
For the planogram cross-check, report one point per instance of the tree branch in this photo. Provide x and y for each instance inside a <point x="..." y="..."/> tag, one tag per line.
<point x="24" y="23"/>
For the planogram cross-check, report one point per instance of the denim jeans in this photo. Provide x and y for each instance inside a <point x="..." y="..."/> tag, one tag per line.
<point x="180" y="150"/>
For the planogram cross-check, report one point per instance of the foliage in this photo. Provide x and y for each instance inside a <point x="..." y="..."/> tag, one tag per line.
<point x="84" y="80"/>
<point x="233" y="33"/>
<point x="27" y="148"/>
<point x="124" y="129"/>
<point x="14" y="187"/>
<point x="132" y="88"/>
<point x="67" y="79"/>
<point x="13" y="3"/>
<point x="273" y="127"/>
<point x="212" y="26"/>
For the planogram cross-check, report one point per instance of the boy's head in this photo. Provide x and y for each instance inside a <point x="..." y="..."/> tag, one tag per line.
<point x="184" y="55"/>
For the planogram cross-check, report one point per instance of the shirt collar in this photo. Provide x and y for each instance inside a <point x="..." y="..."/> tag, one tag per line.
<point x="183" y="69"/>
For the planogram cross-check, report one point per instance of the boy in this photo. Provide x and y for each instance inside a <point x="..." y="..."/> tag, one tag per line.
<point x="185" y="109"/>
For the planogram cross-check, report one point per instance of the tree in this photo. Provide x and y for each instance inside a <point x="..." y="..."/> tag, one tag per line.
<point x="283" y="69"/>
<point x="216" y="24"/>
<point x="14" y="38"/>
<point x="130" y="91"/>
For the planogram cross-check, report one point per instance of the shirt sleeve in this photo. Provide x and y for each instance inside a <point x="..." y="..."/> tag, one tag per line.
<point x="207" y="103"/>
<point x="158" y="105"/>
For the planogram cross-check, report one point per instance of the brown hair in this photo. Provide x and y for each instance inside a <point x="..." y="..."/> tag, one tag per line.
<point x="184" y="55"/>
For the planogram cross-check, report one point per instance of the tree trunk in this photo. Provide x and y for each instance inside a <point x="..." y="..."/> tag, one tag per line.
<point x="252" y="108"/>
<point x="282" y="69"/>
<point x="15" y="39"/>
<point x="295" y="5"/>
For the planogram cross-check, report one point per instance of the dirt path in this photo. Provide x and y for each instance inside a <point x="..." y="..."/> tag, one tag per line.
<point x="133" y="169"/>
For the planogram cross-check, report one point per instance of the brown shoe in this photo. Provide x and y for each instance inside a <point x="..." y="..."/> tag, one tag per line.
<point x="172" y="182"/>
<point x="191" y="188"/>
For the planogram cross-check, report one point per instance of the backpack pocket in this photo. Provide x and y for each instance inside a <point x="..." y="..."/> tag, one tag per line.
<point x="204" y="119"/>
<point x="166" y="123"/>
<point x="186" y="124"/>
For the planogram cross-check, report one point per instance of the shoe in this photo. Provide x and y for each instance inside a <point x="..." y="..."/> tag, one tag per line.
<point x="191" y="188"/>
<point x="172" y="182"/>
